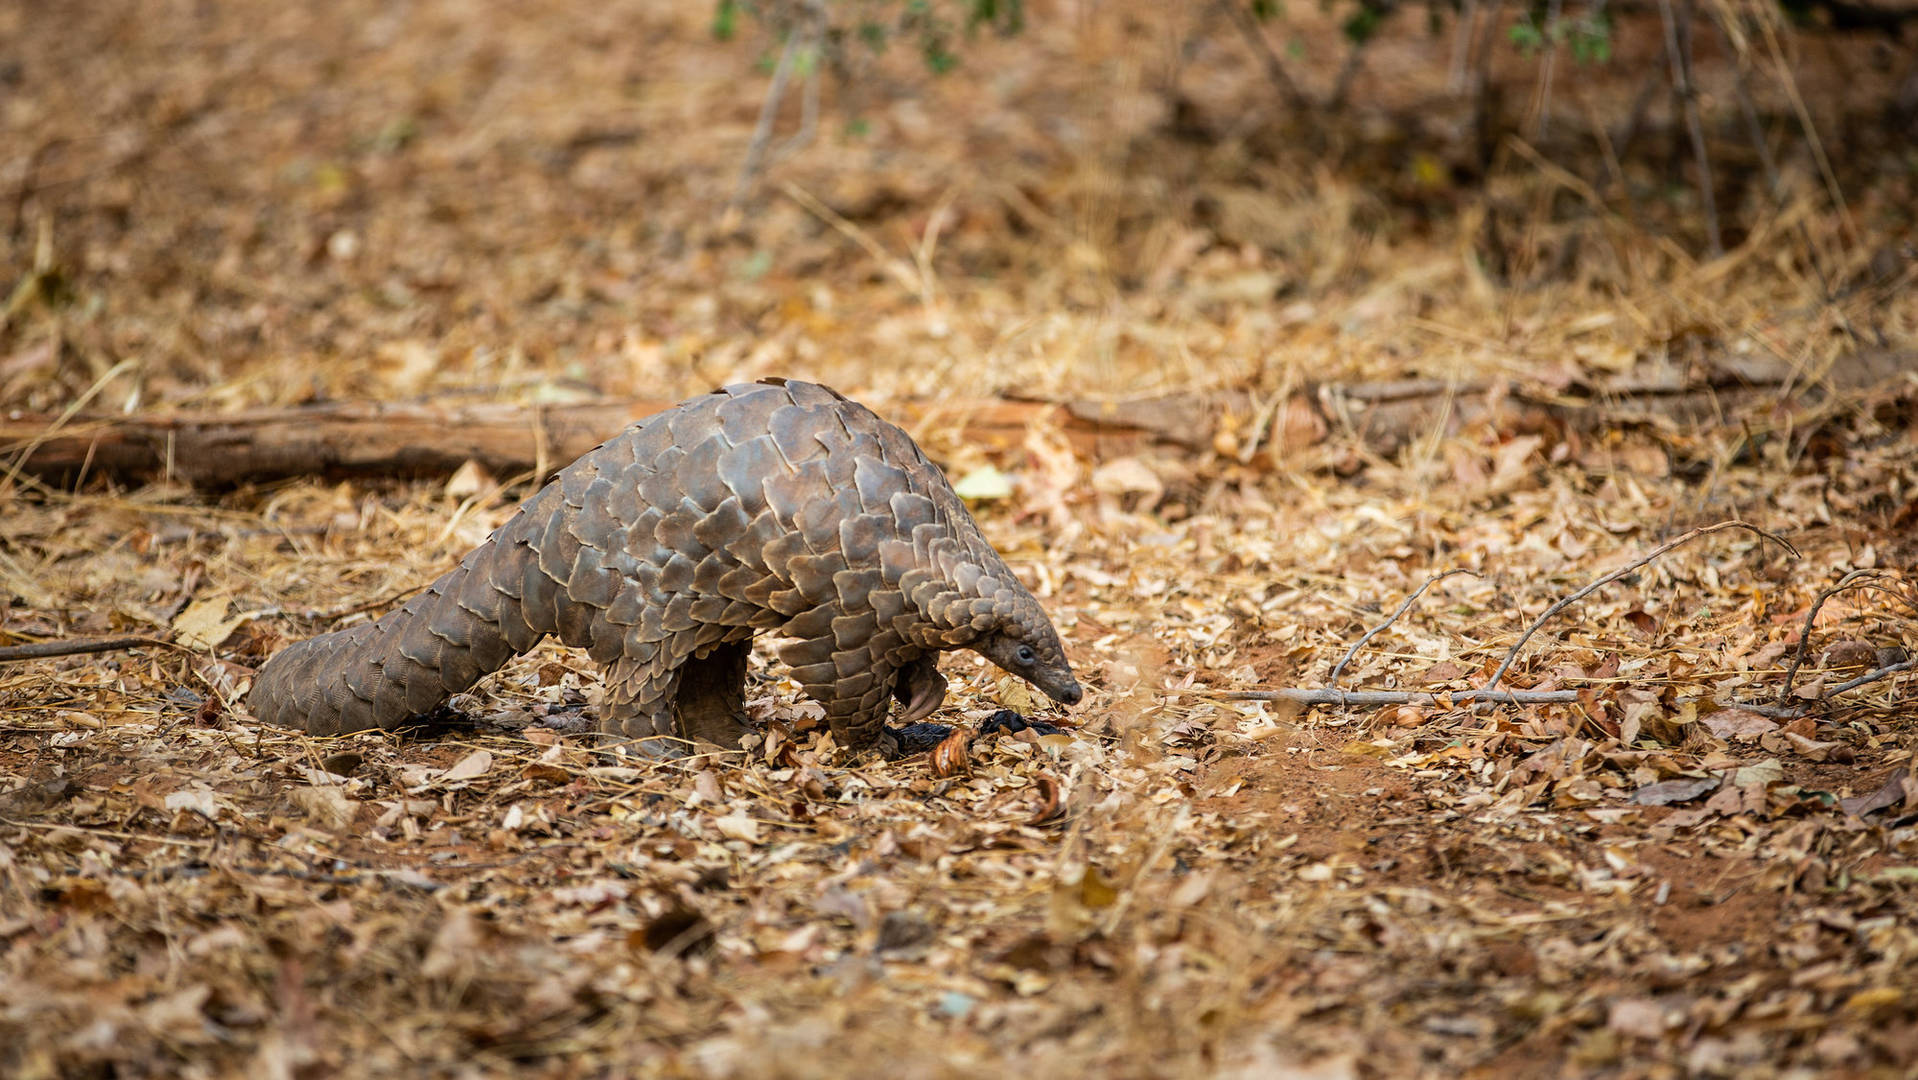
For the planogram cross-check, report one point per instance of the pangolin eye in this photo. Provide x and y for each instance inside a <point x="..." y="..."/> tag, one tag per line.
<point x="1026" y="655"/>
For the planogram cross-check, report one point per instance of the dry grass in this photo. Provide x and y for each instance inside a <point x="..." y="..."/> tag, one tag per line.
<point x="280" y="203"/>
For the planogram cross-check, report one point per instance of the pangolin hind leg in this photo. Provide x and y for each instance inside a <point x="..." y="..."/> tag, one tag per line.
<point x="711" y="697"/>
<point x="638" y="705"/>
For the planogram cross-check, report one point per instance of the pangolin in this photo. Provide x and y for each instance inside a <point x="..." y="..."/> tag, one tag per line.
<point x="780" y="506"/>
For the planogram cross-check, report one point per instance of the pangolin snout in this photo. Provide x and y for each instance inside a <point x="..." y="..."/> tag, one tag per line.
<point x="1070" y="695"/>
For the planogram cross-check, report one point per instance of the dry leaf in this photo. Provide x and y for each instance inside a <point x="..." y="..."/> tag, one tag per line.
<point x="469" y="479"/>
<point x="1759" y="774"/>
<point x="471" y="767"/>
<point x="545" y="773"/>
<point x="738" y="827"/>
<point x="327" y="805"/>
<point x="1051" y="800"/>
<point x="1739" y="724"/>
<point x="204" y="624"/>
<point x="1849" y="656"/>
<point x="953" y="755"/>
<point x="983" y="483"/>
<point x="1899" y="789"/>
<point x="1095" y="892"/>
<point x="1669" y="792"/>
<point x="455" y="945"/>
<point x="678" y="931"/>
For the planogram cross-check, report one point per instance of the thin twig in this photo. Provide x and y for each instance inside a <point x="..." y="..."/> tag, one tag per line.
<point x="1349" y="70"/>
<point x="1512" y="655"/>
<point x="808" y="101"/>
<point x="1870" y="677"/>
<point x="410" y="878"/>
<point x="763" y="130"/>
<point x="1853" y="579"/>
<point x="1484" y="124"/>
<point x="1248" y="25"/>
<point x="1547" y="65"/>
<point x="1333" y="679"/>
<point x="1790" y="83"/>
<point x="1755" y="131"/>
<point x="41" y="650"/>
<point x="901" y="271"/>
<point x="1678" y="46"/>
<point x="99" y="384"/>
<point x="1373" y="698"/>
<point x="1783" y="711"/>
<point x="1377" y="698"/>
<point x="1462" y="38"/>
<point x="89" y="830"/>
<point x="1627" y="135"/>
<point x="1164" y="841"/>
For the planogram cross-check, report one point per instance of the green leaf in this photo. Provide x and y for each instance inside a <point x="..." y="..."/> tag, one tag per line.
<point x="938" y="58"/>
<point x="1527" y="38"/>
<point x="725" y="19"/>
<point x="1364" y="23"/>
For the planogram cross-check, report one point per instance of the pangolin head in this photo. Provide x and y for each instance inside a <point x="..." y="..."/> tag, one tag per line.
<point x="995" y="616"/>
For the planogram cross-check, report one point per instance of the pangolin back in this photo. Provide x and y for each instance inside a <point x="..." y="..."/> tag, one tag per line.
<point x="769" y="506"/>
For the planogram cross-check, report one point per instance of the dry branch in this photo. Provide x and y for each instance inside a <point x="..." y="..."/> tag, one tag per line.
<point x="43" y="650"/>
<point x="215" y="449"/>
<point x="1859" y="579"/>
<point x="1490" y="694"/>
<point x="1339" y="667"/>
<point x="1367" y="698"/>
<point x="1511" y="656"/>
<point x="219" y="449"/>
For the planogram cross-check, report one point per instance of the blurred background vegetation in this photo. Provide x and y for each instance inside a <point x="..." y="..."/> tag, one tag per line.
<point x="226" y="204"/>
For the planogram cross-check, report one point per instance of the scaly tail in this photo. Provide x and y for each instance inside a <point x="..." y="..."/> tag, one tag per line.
<point x="497" y="604"/>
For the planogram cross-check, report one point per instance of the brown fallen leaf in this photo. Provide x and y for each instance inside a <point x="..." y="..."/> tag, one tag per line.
<point x="1738" y="724"/>
<point x="342" y="764"/>
<point x="953" y="755"/>
<point x="1670" y="792"/>
<point x="738" y="827"/>
<point x="471" y="767"/>
<point x="1852" y="655"/>
<point x="545" y="773"/>
<point x="679" y="931"/>
<point x="1051" y="800"/>
<point x="1809" y="749"/>
<point x="326" y="805"/>
<point x="1900" y="787"/>
<point x="204" y="624"/>
<point x="455" y="945"/>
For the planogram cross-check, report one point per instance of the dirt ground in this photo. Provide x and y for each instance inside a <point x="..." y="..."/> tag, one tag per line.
<point x="1686" y="871"/>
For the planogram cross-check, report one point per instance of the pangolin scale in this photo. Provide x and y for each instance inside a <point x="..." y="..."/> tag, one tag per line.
<point x="776" y="506"/>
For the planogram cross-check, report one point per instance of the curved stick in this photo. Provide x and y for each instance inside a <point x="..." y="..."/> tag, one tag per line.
<point x="1861" y="578"/>
<point x="1333" y="679"/>
<point x="1512" y="655"/>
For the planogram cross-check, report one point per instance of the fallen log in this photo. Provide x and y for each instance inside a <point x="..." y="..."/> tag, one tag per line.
<point x="371" y="438"/>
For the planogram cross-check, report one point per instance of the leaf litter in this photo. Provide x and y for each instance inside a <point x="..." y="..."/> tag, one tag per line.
<point x="1637" y="882"/>
<point x="1631" y="877"/>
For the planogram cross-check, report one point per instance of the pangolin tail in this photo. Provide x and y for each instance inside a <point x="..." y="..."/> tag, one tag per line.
<point x="495" y="605"/>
